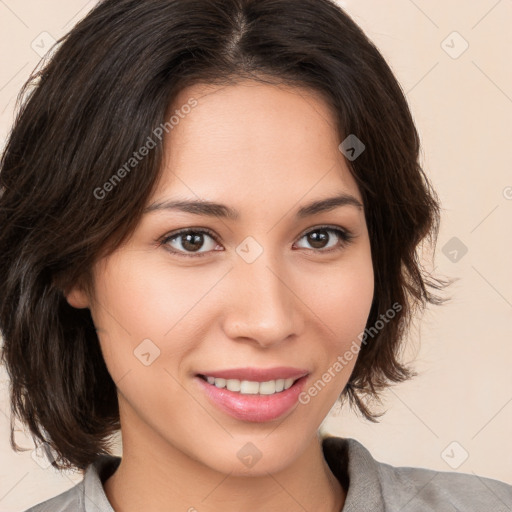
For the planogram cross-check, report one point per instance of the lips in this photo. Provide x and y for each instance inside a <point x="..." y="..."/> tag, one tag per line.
<point x="252" y="407"/>
<point x="257" y="374"/>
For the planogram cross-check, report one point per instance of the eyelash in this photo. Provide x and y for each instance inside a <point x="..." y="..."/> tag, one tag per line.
<point x="345" y="236"/>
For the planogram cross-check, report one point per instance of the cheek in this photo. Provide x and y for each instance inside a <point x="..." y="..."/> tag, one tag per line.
<point x="135" y="317"/>
<point x="150" y="316"/>
<point x="341" y="303"/>
<point x="146" y="299"/>
<point x="340" y="298"/>
<point x="342" y="306"/>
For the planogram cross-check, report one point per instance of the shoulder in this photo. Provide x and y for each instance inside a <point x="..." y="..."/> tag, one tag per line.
<point x="408" y="489"/>
<point x="86" y="496"/>
<point x="384" y="487"/>
<point x="68" y="501"/>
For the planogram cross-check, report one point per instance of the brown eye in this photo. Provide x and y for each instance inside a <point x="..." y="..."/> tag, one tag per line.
<point x="192" y="241"/>
<point x="321" y="239"/>
<point x="318" y="239"/>
<point x="189" y="242"/>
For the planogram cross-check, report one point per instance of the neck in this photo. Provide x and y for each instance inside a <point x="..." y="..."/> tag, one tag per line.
<point x="164" y="479"/>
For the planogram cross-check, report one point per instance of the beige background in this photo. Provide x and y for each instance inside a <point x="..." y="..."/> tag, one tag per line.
<point x="462" y="104"/>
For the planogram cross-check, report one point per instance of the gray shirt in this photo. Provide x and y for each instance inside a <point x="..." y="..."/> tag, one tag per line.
<point x="372" y="486"/>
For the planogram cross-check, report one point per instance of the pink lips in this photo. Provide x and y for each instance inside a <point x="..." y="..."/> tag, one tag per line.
<point x="255" y="408"/>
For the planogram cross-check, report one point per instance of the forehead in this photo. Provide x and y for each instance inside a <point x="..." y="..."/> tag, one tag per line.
<point x="250" y="139"/>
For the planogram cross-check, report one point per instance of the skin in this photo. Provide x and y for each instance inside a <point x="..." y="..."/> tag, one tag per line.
<point x="293" y="306"/>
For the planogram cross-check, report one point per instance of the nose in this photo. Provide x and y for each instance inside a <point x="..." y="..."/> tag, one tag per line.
<point x="262" y="305"/>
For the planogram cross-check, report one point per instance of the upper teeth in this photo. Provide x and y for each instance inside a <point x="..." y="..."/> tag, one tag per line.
<point x="248" y="387"/>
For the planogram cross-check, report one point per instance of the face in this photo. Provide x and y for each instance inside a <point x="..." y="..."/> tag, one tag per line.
<point x="278" y="287"/>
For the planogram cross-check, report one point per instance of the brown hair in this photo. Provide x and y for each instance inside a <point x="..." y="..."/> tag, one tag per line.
<point x="96" y="101"/>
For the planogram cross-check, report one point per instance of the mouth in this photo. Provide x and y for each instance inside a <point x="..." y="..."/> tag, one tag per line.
<point x="254" y="401"/>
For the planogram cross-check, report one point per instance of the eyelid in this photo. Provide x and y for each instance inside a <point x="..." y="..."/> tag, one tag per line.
<point x="323" y="226"/>
<point x="173" y="234"/>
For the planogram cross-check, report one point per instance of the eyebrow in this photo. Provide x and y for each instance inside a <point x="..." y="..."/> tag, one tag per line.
<point x="209" y="208"/>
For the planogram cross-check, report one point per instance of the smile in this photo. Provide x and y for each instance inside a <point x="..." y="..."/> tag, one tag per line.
<point x="252" y="400"/>
<point x="248" y="387"/>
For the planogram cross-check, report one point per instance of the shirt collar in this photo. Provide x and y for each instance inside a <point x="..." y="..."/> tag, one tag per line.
<point x="355" y="468"/>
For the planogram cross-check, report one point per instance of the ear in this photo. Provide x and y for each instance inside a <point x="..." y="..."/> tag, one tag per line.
<point x="77" y="298"/>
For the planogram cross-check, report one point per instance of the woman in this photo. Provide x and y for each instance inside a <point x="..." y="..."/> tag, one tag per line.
<point x="210" y="217"/>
